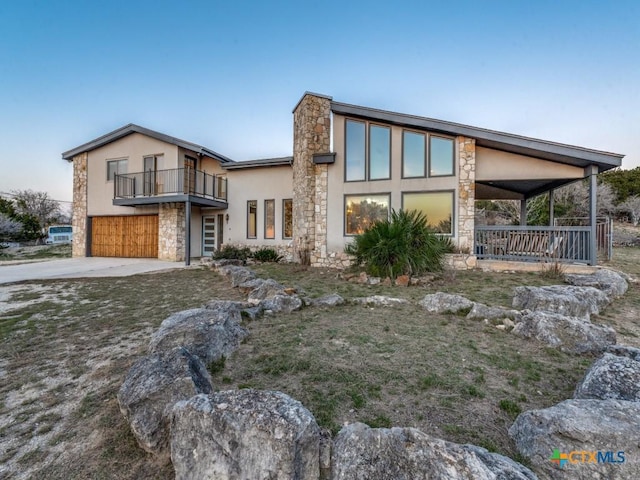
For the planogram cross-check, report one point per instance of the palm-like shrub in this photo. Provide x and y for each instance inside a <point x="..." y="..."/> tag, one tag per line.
<point x="404" y="244"/>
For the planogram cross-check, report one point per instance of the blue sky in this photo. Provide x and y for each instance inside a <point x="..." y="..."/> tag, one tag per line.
<point x="227" y="74"/>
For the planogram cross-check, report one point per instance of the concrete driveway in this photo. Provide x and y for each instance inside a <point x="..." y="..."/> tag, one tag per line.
<point x="83" y="267"/>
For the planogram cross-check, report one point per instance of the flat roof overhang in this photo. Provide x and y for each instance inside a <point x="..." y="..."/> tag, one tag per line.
<point x="194" y="200"/>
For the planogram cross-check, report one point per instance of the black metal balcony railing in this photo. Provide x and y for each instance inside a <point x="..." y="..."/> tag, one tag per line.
<point x="176" y="181"/>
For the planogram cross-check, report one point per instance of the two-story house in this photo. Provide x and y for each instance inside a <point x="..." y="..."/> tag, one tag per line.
<point x="141" y="193"/>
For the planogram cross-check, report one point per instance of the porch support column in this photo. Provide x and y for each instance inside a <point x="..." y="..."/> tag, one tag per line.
<point x="523" y="211"/>
<point x="551" y="207"/>
<point x="187" y="229"/>
<point x="592" y="171"/>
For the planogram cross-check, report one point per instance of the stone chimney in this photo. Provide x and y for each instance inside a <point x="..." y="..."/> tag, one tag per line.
<point x="311" y="134"/>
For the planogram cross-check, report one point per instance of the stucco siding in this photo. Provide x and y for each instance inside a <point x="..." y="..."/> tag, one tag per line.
<point x="496" y="165"/>
<point x="132" y="147"/>
<point x="260" y="184"/>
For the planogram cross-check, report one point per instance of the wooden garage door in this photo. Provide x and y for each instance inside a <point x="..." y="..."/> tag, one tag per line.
<point x="127" y="236"/>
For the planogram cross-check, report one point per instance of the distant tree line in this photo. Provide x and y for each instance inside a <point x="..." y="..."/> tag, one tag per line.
<point x="26" y="214"/>
<point x="618" y="195"/>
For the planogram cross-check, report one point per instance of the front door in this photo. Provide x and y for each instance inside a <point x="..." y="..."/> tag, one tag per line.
<point x="209" y="237"/>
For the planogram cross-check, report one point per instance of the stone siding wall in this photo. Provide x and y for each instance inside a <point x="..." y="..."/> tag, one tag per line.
<point x="171" y="232"/>
<point x="311" y="134"/>
<point x="466" y="192"/>
<point x="79" y="219"/>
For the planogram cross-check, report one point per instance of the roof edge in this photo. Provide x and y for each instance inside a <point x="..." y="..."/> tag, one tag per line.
<point x="260" y="162"/>
<point x="133" y="128"/>
<point x="599" y="156"/>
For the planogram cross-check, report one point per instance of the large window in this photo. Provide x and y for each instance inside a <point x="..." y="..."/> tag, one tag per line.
<point x="362" y="211"/>
<point x="413" y="154"/>
<point x="379" y="152"/>
<point x="362" y="163"/>
<point x="440" y="156"/>
<point x="116" y="166"/>
<point x="287" y="218"/>
<point x="355" y="151"/>
<point x="269" y="219"/>
<point x="252" y="218"/>
<point x="437" y="206"/>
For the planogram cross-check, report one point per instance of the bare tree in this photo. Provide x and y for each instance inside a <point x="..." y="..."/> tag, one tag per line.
<point x="631" y="206"/>
<point x="37" y="204"/>
<point x="9" y="228"/>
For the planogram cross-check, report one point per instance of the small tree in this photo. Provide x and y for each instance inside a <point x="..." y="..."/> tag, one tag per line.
<point x="37" y="205"/>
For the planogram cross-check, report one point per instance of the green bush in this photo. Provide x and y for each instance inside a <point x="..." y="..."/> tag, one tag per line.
<point x="266" y="255"/>
<point x="233" y="252"/>
<point x="403" y="245"/>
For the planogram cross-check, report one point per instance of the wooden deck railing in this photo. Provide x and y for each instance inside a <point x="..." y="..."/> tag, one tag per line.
<point x="533" y="243"/>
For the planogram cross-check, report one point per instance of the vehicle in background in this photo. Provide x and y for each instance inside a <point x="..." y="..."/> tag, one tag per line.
<point x="59" y="234"/>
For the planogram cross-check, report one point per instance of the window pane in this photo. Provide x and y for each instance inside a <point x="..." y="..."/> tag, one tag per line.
<point x="379" y="151"/>
<point x="413" y="164"/>
<point x="111" y="170"/>
<point x="269" y="219"/>
<point x="354" y="150"/>
<point x="437" y="206"/>
<point x="287" y="218"/>
<point x="252" y="211"/>
<point x="441" y="156"/>
<point x="363" y="210"/>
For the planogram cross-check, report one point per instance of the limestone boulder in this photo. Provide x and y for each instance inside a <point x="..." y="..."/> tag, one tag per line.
<point x="250" y="285"/>
<point x="625" y="351"/>
<point x="569" y="334"/>
<point x="363" y="453"/>
<point x="567" y="300"/>
<point x="581" y="426"/>
<point x="479" y="311"/>
<point x="332" y="300"/>
<point x="440" y="303"/>
<point x="225" y="262"/>
<point x="236" y="274"/>
<point x="380" y="301"/>
<point x="610" y="282"/>
<point x="281" y="303"/>
<point x="209" y="334"/>
<point x="152" y="387"/>
<point x="244" y="435"/>
<point x="266" y="290"/>
<point x="611" y="377"/>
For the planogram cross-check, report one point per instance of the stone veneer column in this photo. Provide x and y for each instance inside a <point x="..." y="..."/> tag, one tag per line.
<point x="466" y="192"/>
<point x="79" y="219"/>
<point x="311" y="134"/>
<point x="171" y="234"/>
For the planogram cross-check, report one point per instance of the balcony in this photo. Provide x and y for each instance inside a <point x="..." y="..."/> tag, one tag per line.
<point x="173" y="185"/>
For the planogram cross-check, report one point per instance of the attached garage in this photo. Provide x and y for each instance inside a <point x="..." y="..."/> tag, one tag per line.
<point x="125" y="236"/>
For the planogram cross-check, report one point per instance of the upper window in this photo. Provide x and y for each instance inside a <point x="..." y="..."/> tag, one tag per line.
<point x="413" y="154"/>
<point x="116" y="166"/>
<point x="287" y="218"/>
<point x="440" y="156"/>
<point x="437" y="206"/>
<point x="367" y="157"/>
<point x="362" y="211"/>
<point x="252" y="218"/>
<point x="269" y="219"/>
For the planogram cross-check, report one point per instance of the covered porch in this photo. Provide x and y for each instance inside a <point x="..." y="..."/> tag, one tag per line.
<point x="502" y="175"/>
